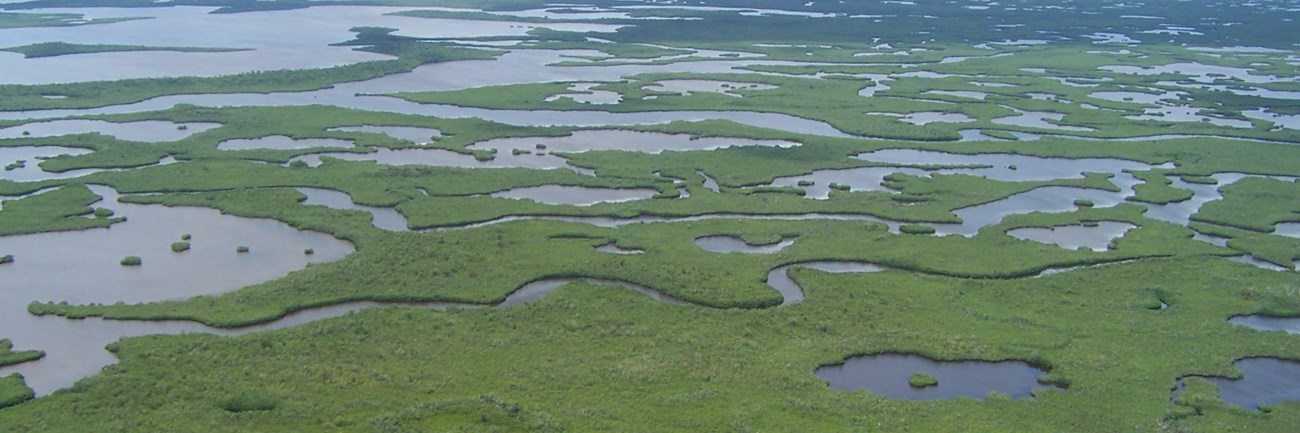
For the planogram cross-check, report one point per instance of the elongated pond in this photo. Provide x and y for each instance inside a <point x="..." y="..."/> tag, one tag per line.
<point x="888" y="375"/>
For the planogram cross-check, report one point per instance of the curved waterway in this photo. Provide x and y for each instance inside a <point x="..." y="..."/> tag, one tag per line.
<point x="1264" y="381"/>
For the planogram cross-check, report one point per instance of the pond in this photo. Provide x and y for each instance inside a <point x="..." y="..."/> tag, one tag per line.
<point x="732" y="244"/>
<point x="576" y="195"/>
<point x="280" y="142"/>
<point x="411" y="134"/>
<point x="1261" y="322"/>
<point x="888" y="375"/>
<point x="1096" y="237"/>
<point x="1265" y="381"/>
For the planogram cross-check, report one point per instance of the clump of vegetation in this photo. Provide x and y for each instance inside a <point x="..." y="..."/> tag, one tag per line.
<point x="180" y="247"/>
<point x="916" y="229"/>
<point x="840" y="186"/>
<point x="241" y="249"/>
<point x="16" y="165"/>
<point x="922" y="380"/>
<point x="806" y="182"/>
<point x="248" y="403"/>
<point x="1083" y="202"/>
<point x="6" y="259"/>
<point x="186" y="237"/>
<point x="132" y="261"/>
<point x="309" y="251"/>
<point x="103" y="212"/>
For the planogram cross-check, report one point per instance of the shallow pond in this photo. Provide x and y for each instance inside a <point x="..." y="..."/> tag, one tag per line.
<point x="384" y="218"/>
<point x="616" y="139"/>
<point x="1003" y="166"/>
<point x="584" y="94"/>
<point x="888" y="375"/>
<point x="1268" y="323"/>
<point x="1266" y="381"/>
<point x="406" y="133"/>
<point x="1290" y="230"/>
<point x="280" y="142"/>
<point x="441" y="158"/>
<point x="613" y="248"/>
<point x="818" y="184"/>
<point x="31" y="157"/>
<point x="688" y="87"/>
<point x="958" y="93"/>
<point x="149" y="131"/>
<point x="732" y="244"/>
<point x="1039" y="119"/>
<point x="1094" y="237"/>
<point x="576" y="195"/>
<point x="82" y="267"/>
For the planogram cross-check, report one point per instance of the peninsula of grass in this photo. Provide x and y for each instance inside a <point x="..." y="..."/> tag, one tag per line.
<point x="14" y="390"/>
<point x="55" y="49"/>
<point x="9" y="357"/>
<point x="63" y="209"/>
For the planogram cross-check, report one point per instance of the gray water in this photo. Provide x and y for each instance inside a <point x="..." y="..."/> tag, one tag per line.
<point x="405" y="133"/>
<point x="1094" y="237"/>
<point x="1265" y="381"/>
<point x="384" y="218"/>
<point x="280" y="142"/>
<point x="1260" y="322"/>
<point x="576" y="195"/>
<point x="148" y="131"/>
<point x="732" y="244"/>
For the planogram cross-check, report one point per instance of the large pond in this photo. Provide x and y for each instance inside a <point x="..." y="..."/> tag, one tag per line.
<point x="83" y="267"/>
<point x="889" y="375"/>
<point x="267" y="43"/>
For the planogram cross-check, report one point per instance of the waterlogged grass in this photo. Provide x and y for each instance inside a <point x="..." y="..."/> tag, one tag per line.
<point x="64" y="209"/>
<point x="9" y="357"/>
<point x="1156" y="188"/>
<point x="603" y="350"/>
<point x="1256" y="204"/>
<point x="9" y="20"/>
<point x="55" y="49"/>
